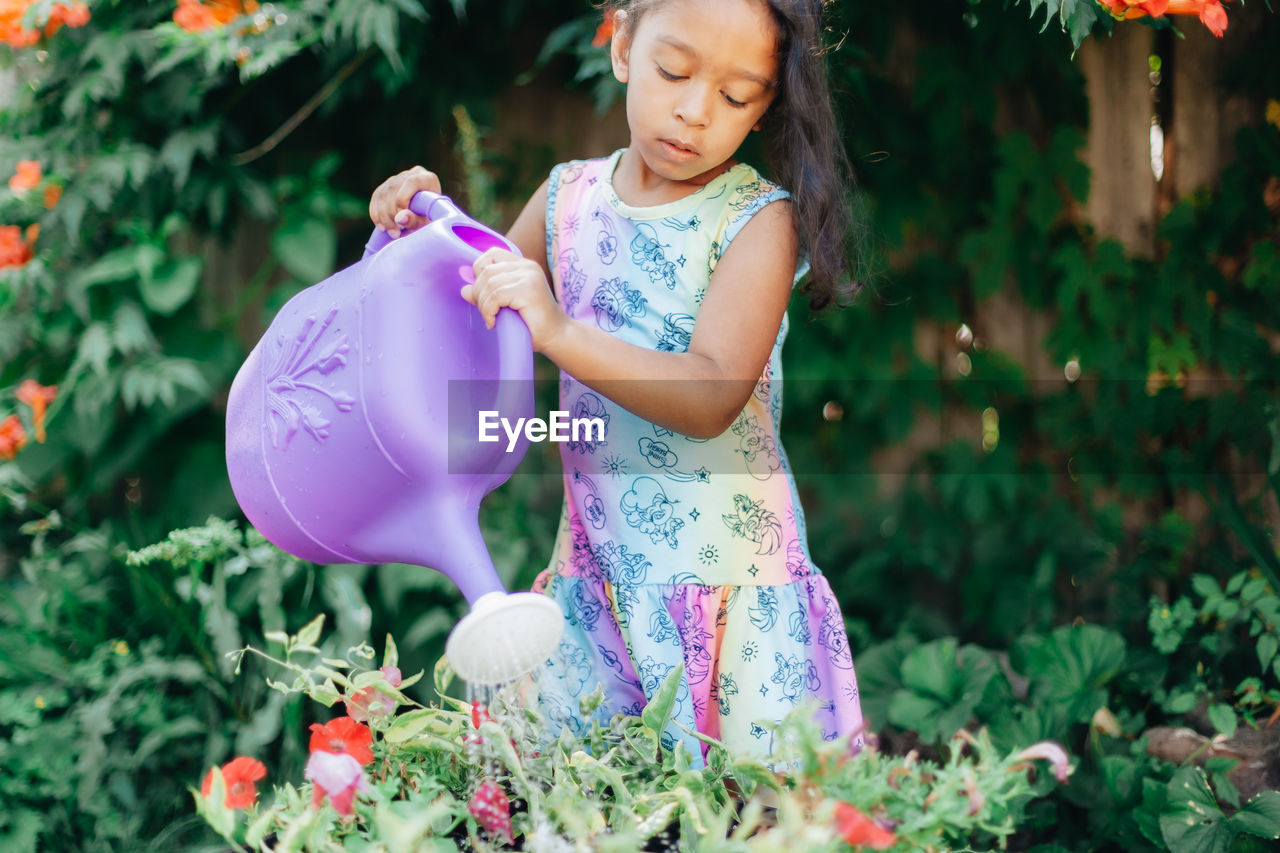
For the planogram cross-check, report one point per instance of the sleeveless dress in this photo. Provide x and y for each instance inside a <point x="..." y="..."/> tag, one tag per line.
<point x="672" y="550"/>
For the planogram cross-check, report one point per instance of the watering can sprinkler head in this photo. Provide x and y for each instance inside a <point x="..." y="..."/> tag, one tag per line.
<point x="345" y="444"/>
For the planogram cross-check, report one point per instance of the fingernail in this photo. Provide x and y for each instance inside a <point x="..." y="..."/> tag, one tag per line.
<point x="402" y="218"/>
<point x="394" y="232"/>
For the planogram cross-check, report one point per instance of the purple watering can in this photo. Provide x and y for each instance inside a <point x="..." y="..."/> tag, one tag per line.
<point x="352" y="429"/>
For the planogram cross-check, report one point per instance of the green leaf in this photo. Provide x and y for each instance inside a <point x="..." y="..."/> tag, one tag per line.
<point x="1267" y="645"/>
<point x="1192" y="822"/>
<point x="1072" y="666"/>
<point x="307" y="247"/>
<point x="1260" y="816"/>
<point x="1223" y="718"/>
<point x="390" y="655"/>
<point x="172" y="285"/>
<point x="310" y="632"/>
<point x="409" y="724"/>
<point x="657" y="711"/>
<point x="368" y="679"/>
<point x="1205" y="586"/>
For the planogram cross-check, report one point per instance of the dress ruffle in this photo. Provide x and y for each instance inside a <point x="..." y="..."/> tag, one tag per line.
<point x="751" y="655"/>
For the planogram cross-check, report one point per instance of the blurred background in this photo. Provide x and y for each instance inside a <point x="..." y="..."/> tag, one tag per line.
<point x="1038" y="455"/>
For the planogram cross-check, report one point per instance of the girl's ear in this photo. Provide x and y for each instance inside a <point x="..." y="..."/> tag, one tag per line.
<point x="620" y="46"/>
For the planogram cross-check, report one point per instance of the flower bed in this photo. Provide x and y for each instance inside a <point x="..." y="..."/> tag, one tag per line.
<point x="484" y="775"/>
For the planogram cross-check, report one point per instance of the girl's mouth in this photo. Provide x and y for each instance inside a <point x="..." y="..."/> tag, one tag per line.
<point x="676" y="151"/>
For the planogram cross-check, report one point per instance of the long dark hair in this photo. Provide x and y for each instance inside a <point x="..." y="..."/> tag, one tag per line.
<point x="804" y="150"/>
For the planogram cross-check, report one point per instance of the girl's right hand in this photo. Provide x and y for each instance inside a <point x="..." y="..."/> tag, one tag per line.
<point x="389" y="205"/>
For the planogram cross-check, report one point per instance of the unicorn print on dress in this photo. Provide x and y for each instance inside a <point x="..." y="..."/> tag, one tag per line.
<point x="832" y="636"/>
<point x="752" y="521"/>
<point x="572" y="278"/>
<point x="647" y="254"/>
<point x="795" y="677"/>
<point x="696" y="641"/>
<point x="662" y="628"/>
<point x="677" y="331"/>
<point x="592" y="506"/>
<point x="725" y="688"/>
<point x="757" y="447"/>
<point x="764" y="614"/>
<point x="616" y="304"/>
<point x="589" y="405"/>
<point x="589" y="607"/>
<point x="606" y="240"/>
<point x="649" y="510"/>
<point x="571" y="661"/>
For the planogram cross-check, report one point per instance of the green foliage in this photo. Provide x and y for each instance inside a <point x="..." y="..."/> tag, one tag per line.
<point x="615" y="788"/>
<point x="1077" y="17"/>
<point x="1084" y="686"/>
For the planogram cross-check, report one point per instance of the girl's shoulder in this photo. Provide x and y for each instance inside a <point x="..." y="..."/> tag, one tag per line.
<point x="573" y="171"/>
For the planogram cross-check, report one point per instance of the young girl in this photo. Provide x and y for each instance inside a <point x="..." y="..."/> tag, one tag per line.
<point x="657" y="279"/>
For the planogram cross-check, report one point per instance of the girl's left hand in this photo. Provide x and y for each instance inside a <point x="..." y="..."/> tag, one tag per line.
<point x="504" y="279"/>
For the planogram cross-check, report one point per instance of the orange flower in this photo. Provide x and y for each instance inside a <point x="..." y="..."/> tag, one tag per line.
<point x="605" y="31"/>
<point x="14" y="252"/>
<point x="1211" y="13"/>
<point x="38" y="397"/>
<point x="52" y="193"/>
<point x="26" y="176"/>
<point x="75" y="15"/>
<point x="11" y="30"/>
<point x="1214" y="17"/>
<point x="860" y="831"/>
<point x="240" y="774"/>
<point x="12" y="437"/>
<point x="194" y="16"/>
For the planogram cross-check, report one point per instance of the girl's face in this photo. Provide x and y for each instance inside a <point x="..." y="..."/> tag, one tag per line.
<point x="700" y="75"/>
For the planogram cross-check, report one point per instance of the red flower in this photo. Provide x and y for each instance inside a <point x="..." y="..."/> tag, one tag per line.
<point x="343" y="735"/>
<point x="239" y="774"/>
<point x="604" y="32"/>
<point x="38" y="397"/>
<point x="12" y="437"/>
<point x="858" y="830"/>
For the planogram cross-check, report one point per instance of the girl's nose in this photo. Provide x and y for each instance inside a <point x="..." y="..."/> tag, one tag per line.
<point x="692" y="108"/>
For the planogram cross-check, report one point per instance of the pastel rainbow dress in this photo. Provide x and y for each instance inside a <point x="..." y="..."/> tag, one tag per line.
<point x="672" y="550"/>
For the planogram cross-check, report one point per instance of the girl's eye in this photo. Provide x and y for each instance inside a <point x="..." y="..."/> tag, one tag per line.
<point x="667" y="75"/>
<point x="735" y="104"/>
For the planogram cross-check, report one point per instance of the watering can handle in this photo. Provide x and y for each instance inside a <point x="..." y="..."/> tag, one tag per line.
<point x="430" y="205"/>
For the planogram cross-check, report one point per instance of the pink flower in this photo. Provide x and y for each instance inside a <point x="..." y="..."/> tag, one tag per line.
<point x="337" y="776"/>
<point x="372" y="702"/>
<point x="1051" y="752"/>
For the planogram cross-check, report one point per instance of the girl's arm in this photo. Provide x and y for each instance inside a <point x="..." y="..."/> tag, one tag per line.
<point x="697" y="393"/>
